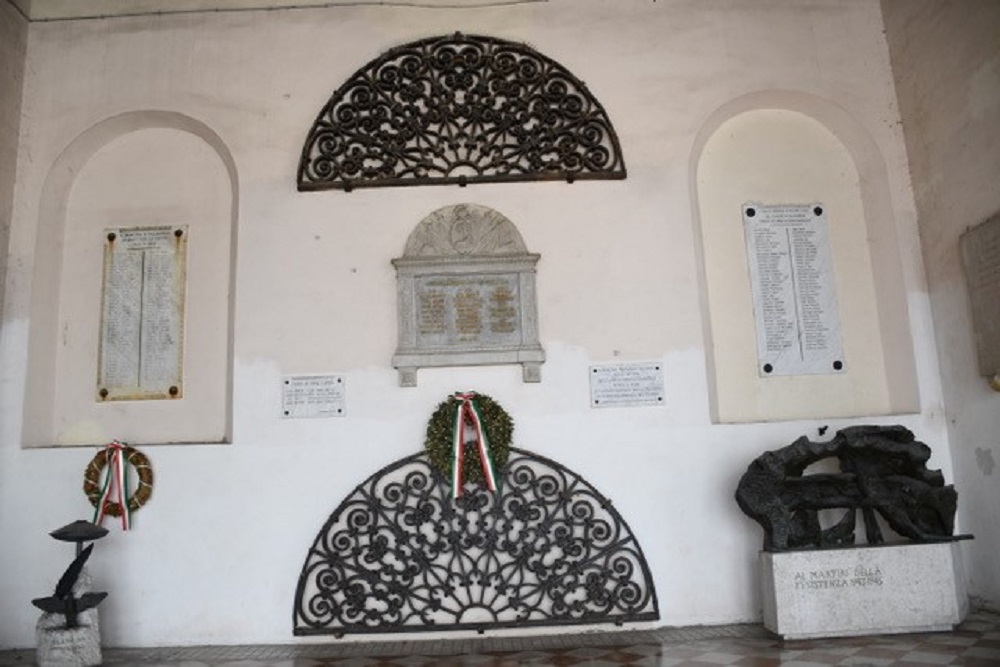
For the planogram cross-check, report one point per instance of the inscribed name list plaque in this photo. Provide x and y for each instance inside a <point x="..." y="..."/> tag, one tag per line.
<point x="794" y="296"/>
<point x="981" y="256"/>
<point x="471" y="308"/>
<point x="142" y="314"/>
<point x="466" y="295"/>
<point x="313" y="396"/>
<point x="626" y="385"/>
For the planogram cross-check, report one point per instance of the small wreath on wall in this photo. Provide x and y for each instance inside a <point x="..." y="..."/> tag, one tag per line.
<point x="497" y="426"/>
<point x="94" y="487"/>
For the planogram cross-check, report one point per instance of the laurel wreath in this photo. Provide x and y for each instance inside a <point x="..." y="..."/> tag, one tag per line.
<point x="92" y="480"/>
<point x="497" y="425"/>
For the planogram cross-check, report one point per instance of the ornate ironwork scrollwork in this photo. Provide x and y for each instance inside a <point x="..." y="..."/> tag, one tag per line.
<point x="400" y="555"/>
<point x="459" y="109"/>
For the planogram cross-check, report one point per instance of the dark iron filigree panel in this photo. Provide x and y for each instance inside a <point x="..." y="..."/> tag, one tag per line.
<point x="459" y="109"/>
<point x="400" y="555"/>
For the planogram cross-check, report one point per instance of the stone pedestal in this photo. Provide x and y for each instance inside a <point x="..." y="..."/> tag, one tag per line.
<point x="863" y="590"/>
<point x="59" y="646"/>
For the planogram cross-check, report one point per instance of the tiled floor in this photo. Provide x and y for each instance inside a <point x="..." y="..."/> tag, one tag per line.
<point x="975" y="643"/>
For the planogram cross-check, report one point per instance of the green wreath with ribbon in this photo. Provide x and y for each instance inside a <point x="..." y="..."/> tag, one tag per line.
<point x="483" y="453"/>
<point x="111" y="496"/>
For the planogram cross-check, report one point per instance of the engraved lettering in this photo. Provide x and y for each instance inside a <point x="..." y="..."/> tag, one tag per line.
<point x="795" y="303"/>
<point x="431" y="317"/>
<point x="468" y="309"/>
<point x="639" y="383"/>
<point x="503" y="313"/>
<point x="142" y="316"/>
<point x="838" y="577"/>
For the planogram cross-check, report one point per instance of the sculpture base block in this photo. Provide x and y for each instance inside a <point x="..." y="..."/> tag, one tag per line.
<point x="863" y="590"/>
<point x="59" y="646"/>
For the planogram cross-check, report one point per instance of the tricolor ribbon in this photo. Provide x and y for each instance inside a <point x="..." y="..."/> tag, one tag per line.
<point x="468" y="414"/>
<point x="115" y="487"/>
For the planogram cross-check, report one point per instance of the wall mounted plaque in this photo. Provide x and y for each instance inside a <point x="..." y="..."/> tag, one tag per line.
<point x="466" y="295"/>
<point x="626" y="384"/>
<point x="794" y="296"/>
<point x="313" y="396"/>
<point x="981" y="256"/>
<point x="142" y="314"/>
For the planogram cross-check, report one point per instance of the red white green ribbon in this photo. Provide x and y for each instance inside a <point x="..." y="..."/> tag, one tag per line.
<point x="115" y="487"/>
<point x="468" y="413"/>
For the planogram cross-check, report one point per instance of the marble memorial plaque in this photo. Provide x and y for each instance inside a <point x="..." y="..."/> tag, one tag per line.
<point x="466" y="295"/>
<point x="981" y="256"/>
<point x="479" y="308"/>
<point x="142" y="314"/>
<point x="627" y="384"/>
<point x="313" y="396"/>
<point x="794" y="295"/>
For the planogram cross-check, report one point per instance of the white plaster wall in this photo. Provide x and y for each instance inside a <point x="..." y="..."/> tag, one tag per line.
<point x="216" y="553"/>
<point x="947" y="66"/>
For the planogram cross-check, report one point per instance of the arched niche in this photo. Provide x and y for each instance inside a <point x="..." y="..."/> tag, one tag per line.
<point x="790" y="148"/>
<point x="138" y="169"/>
<point x="459" y="109"/>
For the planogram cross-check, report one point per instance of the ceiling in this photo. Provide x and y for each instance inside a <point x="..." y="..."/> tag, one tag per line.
<point x="54" y="10"/>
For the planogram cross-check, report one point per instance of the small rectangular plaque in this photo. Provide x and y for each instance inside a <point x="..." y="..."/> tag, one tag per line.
<point x="628" y="384"/>
<point x="981" y="256"/>
<point x="313" y="396"/>
<point x="794" y="295"/>
<point x="142" y="314"/>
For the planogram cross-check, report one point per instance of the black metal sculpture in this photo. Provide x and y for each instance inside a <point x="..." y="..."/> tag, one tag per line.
<point x="400" y="555"/>
<point x="882" y="469"/>
<point x="64" y="601"/>
<point x="459" y="109"/>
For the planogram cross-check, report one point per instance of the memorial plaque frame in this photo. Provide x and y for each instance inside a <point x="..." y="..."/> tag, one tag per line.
<point x="626" y="384"/>
<point x="796" y="316"/>
<point x="141" y="345"/>
<point x="466" y="295"/>
<point x="981" y="258"/>
<point x="313" y="396"/>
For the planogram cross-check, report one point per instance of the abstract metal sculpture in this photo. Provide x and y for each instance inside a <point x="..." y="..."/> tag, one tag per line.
<point x="882" y="469"/>
<point x="459" y="109"/>
<point x="399" y="555"/>
<point x="65" y="601"/>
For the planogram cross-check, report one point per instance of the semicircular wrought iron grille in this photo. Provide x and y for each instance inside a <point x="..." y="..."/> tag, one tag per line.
<point x="400" y="555"/>
<point x="459" y="109"/>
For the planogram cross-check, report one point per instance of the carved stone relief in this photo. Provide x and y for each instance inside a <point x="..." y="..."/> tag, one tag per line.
<point x="466" y="295"/>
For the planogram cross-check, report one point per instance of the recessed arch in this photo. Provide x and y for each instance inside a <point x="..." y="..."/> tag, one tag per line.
<point x="459" y="109"/>
<point x="50" y="255"/>
<point x="871" y="188"/>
